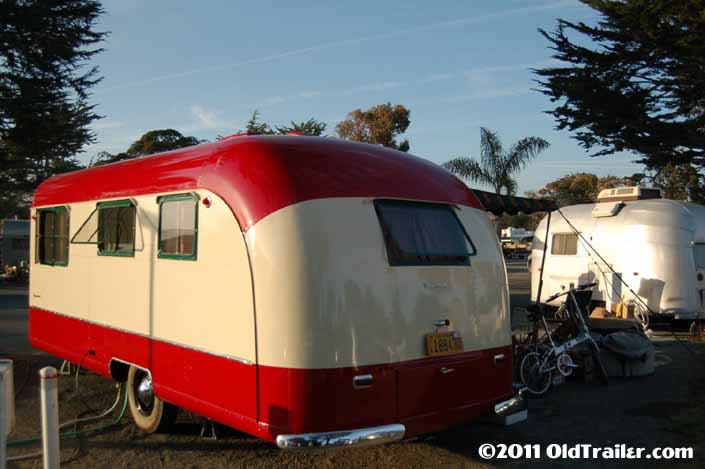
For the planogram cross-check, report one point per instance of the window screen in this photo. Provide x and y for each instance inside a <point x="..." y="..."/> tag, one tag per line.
<point x="564" y="244"/>
<point x="699" y="253"/>
<point x="419" y="233"/>
<point x="116" y="228"/>
<point x="53" y="236"/>
<point x="178" y="227"/>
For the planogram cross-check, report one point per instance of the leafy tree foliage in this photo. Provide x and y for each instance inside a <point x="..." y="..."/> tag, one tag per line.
<point x="680" y="182"/>
<point x="677" y="182"/>
<point x="521" y="220"/>
<point x="256" y="127"/>
<point x="310" y="127"/>
<point x="579" y="188"/>
<point x="154" y="141"/>
<point x="380" y="124"/>
<point x="44" y="88"/>
<point x="634" y="81"/>
<point x="497" y="168"/>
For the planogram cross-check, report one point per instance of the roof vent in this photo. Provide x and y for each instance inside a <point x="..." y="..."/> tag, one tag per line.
<point x="623" y="194"/>
<point x="606" y="209"/>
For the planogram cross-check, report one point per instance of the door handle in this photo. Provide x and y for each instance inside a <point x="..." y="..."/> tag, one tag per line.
<point x="446" y="371"/>
<point x="442" y="323"/>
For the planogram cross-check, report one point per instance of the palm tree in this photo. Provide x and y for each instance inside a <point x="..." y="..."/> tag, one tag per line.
<point x="497" y="167"/>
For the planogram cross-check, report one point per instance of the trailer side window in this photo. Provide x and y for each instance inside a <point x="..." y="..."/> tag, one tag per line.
<point x="564" y="244"/>
<point x="178" y="227"/>
<point x="699" y="253"/>
<point x="116" y="228"/>
<point x="420" y="233"/>
<point x="53" y="236"/>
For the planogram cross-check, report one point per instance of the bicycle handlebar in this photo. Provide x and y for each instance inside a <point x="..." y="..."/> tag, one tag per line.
<point x="584" y="286"/>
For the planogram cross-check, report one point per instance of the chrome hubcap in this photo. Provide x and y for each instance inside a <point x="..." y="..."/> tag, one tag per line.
<point x="144" y="393"/>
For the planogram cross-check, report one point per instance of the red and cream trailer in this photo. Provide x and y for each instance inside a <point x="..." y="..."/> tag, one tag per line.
<point x="305" y="290"/>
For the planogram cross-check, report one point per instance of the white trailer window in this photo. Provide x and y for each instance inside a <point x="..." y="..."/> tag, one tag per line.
<point x="178" y="227"/>
<point x="699" y="254"/>
<point x="421" y="233"/>
<point x="564" y="244"/>
<point x="53" y="236"/>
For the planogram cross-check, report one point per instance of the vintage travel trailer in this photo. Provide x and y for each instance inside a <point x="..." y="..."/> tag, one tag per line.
<point x="305" y="290"/>
<point x="656" y="245"/>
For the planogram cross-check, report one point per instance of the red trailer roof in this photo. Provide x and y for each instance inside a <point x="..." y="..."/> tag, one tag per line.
<point x="257" y="175"/>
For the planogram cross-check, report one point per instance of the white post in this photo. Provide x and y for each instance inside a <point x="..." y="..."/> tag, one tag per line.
<point x="3" y="435"/>
<point x="7" y="408"/>
<point x="49" y="380"/>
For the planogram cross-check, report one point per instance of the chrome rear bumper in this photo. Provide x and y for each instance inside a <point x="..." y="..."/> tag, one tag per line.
<point x="346" y="438"/>
<point x="512" y="410"/>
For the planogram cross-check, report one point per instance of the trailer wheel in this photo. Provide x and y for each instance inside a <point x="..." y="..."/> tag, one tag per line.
<point x="149" y="413"/>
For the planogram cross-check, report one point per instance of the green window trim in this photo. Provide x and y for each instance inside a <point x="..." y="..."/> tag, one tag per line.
<point x="117" y="204"/>
<point x="172" y="198"/>
<point x="39" y="228"/>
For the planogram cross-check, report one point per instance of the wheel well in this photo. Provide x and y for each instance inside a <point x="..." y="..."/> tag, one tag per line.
<point x="119" y="370"/>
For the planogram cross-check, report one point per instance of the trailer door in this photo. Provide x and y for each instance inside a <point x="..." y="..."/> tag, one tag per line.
<point x="204" y="345"/>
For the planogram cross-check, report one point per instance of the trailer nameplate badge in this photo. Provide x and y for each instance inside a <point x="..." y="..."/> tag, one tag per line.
<point x="443" y="343"/>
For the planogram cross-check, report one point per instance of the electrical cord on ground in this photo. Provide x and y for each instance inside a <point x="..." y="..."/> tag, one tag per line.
<point x="76" y="433"/>
<point x="619" y="276"/>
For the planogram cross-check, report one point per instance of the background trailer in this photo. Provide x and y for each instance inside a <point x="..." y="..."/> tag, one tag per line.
<point x="656" y="246"/>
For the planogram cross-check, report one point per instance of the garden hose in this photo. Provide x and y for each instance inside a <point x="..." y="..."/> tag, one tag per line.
<point x="77" y="433"/>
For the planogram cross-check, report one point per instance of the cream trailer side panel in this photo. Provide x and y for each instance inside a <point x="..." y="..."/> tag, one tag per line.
<point x="205" y="304"/>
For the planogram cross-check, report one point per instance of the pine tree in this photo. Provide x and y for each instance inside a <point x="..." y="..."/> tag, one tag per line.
<point x="635" y="81"/>
<point x="45" y="78"/>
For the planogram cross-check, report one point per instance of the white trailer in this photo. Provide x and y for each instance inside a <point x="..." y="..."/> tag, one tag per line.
<point x="656" y="246"/>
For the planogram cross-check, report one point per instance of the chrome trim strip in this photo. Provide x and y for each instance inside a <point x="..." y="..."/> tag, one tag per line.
<point x="244" y="361"/>
<point x="346" y="438"/>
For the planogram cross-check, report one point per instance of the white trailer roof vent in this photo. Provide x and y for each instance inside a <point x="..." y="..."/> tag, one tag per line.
<point x="606" y="209"/>
<point x="623" y="194"/>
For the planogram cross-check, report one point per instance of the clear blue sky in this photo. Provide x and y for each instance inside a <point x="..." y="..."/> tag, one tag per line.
<point x="203" y="67"/>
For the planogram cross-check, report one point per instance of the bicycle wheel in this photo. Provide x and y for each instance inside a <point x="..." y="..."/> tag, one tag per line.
<point x="537" y="381"/>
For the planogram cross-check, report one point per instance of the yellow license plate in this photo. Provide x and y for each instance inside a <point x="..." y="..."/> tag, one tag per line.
<point x="443" y="343"/>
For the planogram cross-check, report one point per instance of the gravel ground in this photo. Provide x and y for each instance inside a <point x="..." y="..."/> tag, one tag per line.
<point x="654" y="411"/>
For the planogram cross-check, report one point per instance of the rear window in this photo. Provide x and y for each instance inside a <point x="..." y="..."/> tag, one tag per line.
<point x="420" y="233"/>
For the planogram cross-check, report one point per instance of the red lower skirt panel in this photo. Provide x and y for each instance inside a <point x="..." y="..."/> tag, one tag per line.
<point x="426" y="395"/>
<point x="213" y="386"/>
